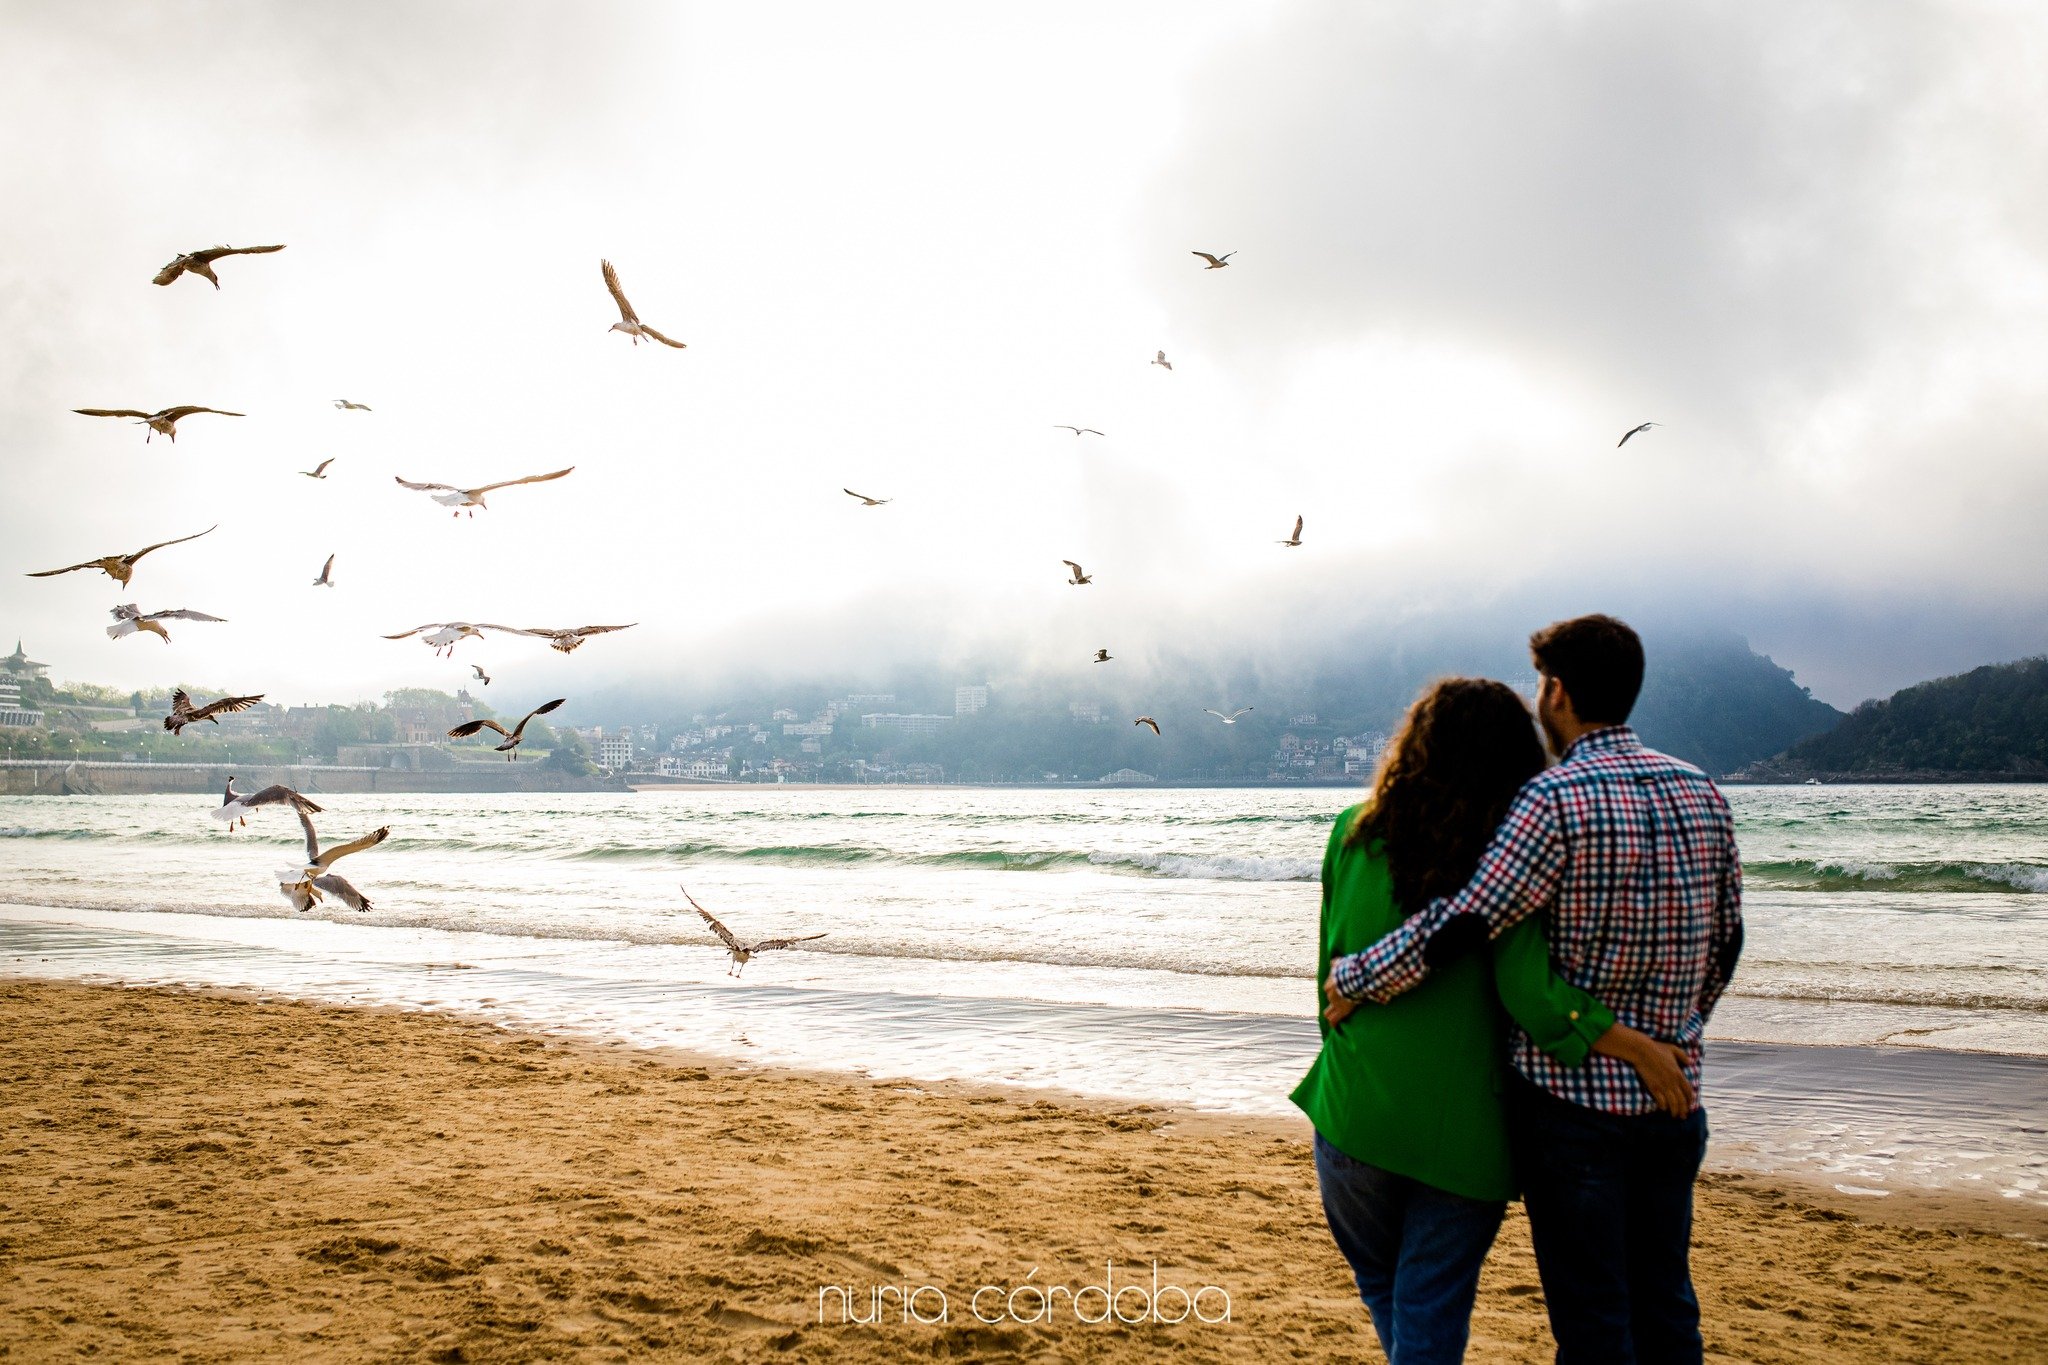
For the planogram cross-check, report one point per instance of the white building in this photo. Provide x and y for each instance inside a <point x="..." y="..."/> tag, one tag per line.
<point x="614" y="751"/>
<point x="809" y="727"/>
<point x="906" y="724"/>
<point x="1363" y="754"/>
<point x="13" y="715"/>
<point x="1127" y="775"/>
<point x="968" y="701"/>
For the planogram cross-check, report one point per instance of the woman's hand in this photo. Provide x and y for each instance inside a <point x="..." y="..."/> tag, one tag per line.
<point x="1660" y="1065"/>
<point x="1339" y="1008"/>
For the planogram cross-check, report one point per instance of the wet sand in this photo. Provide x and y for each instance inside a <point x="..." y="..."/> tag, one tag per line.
<point x="228" y="1177"/>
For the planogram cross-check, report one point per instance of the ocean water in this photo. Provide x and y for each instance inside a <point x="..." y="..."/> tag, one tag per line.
<point x="1147" y="944"/>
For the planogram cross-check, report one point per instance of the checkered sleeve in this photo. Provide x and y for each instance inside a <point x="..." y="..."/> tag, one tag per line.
<point x="1520" y="872"/>
<point x="1726" y="947"/>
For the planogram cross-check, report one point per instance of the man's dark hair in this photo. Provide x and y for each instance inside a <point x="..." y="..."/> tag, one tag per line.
<point x="1598" y="659"/>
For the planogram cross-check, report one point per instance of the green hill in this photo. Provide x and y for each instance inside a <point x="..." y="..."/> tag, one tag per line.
<point x="1990" y="722"/>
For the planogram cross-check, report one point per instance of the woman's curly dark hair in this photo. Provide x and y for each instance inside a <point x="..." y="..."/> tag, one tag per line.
<point x="1464" y="749"/>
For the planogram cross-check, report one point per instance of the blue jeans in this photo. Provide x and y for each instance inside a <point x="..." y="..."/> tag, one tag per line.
<point x="1610" y="1213"/>
<point x="1415" y="1251"/>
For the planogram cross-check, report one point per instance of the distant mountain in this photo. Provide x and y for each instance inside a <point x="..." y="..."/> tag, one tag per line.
<point x="1716" y="702"/>
<point x="1989" y="722"/>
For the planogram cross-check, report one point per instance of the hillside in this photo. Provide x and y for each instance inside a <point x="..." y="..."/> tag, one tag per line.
<point x="1991" y="721"/>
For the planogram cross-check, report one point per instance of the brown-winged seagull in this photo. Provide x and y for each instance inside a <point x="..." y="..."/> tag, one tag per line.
<point x="1102" y="656"/>
<point x="165" y="422"/>
<point x="318" y="471"/>
<point x="482" y="676"/>
<point x="565" y="639"/>
<point x="302" y="885"/>
<point x="326" y="578"/>
<point x="200" y="263"/>
<point x="473" y="498"/>
<point x="629" y="321"/>
<point x="235" y="806"/>
<point x="1634" y="431"/>
<point x="1215" y="262"/>
<point x="865" y="500"/>
<point x="1162" y="362"/>
<point x="514" y="736"/>
<point x="121" y="568"/>
<point x="1295" y="539"/>
<point x="184" y="713"/>
<point x="742" y="953"/>
<point x="1148" y="722"/>
<point x="347" y="406"/>
<point x="128" y="619"/>
<point x="1079" y="578"/>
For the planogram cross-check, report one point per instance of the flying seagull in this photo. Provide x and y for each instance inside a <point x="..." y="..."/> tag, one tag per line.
<point x="865" y="500"/>
<point x="629" y="321"/>
<point x="742" y="952"/>
<point x="1162" y="362"/>
<point x="1296" y="538"/>
<point x="1102" y="656"/>
<point x="473" y="498"/>
<point x="1078" y="431"/>
<point x="347" y="406"/>
<point x="565" y="639"/>
<point x="121" y="568"/>
<point x="483" y="676"/>
<point x="318" y="471"/>
<point x="200" y="263"/>
<point x="514" y="736"/>
<point x="445" y="635"/>
<point x="128" y="619"/>
<point x="302" y="885"/>
<point x="165" y="422"/>
<point x="184" y="713"/>
<point x="1230" y="719"/>
<point x="1079" y="578"/>
<point x="1633" y="431"/>
<point x="326" y="578"/>
<point x="1148" y="721"/>
<point x="1215" y="262"/>
<point x="235" y="806"/>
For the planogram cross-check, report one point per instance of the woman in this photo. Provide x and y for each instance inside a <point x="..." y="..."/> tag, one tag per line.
<point x="1411" y="1142"/>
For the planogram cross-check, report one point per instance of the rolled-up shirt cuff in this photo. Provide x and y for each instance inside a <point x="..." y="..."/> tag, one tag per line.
<point x="1365" y="977"/>
<point x="1349" y="975"/>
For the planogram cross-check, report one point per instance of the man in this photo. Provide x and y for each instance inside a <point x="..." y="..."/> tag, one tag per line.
<point x="1630" y="855"/>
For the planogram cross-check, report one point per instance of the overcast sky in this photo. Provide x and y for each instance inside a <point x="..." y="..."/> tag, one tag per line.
<point x="1476" y="242"/>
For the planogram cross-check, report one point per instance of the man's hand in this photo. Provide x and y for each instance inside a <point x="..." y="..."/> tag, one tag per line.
<point x="1339" y="1008"/>
<point x="1660" y="1066"/>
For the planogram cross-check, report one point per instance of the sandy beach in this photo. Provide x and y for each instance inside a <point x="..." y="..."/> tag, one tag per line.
<point x="227" y="1177"/>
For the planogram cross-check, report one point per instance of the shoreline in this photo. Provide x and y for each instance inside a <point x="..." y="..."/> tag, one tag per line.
<point x="351" y="1183"/>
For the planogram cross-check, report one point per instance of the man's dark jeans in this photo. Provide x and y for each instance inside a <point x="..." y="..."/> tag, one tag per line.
<point x="1415" y="1251"/>
<point x="1610" y="1213"/>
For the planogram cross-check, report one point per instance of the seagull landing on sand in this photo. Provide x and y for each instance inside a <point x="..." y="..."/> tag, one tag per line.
<point x="1078" y="431"/>
<point x="326" y="578"/>
<point x="1162" y="362"/>
<point x="1633" y="431"/>
<point x="165" y="422"/>
<point x="128" y="619"/>
<point x="514" y="736"/>
<point x="1215" y="262"/>
<point x="473" y="498"/>
<point x="865" y="500"/>
<point x="200" y="263"/>
<point x="482" y="676"/>
<point x="235" y="806"/>
<point x="445" y="635"/>
<point x="1079" y="578"/>
<point x="184" y="713"/>
<point x="1230" y="719"/>
<point x="1295" y="539"/>
<point x="121" y="568"/>
<point x="629" y="321"/>
<point x="1148" y="722"/>
<point x="1102" y="656"/>
<point x="347" y="406"/>
<point x="302" y="885"/>
<point x="742" y="953"/>
<point x="318" y="471"/>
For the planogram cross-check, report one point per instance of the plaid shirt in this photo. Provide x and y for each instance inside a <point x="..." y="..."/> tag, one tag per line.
<point x="1630" y="855"/>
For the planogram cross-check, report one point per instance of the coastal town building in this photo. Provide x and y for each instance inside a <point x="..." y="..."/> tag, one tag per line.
<point x="905" y="724"/>
<point x="1127" y="775"/>
<point x="969" y="701"/>
<point x="613" y="751"/>
<point x="20" y="667"/>
<point x="1086" y="712"/>
<point x="13" y="715"/>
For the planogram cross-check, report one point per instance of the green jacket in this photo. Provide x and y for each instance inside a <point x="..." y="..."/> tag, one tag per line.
<point x="1414" y="1087"/>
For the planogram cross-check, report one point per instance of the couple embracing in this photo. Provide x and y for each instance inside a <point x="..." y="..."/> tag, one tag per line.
<point x="1518" y="963"/>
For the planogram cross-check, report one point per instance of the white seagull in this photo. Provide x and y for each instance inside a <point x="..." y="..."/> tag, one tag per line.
<point x="445" y="635"/>
<point x="865" y="500"/>
<point x="1230" y="719"/>
<point x="318" y="471"/>
<point x="629" y="321"/>
<point x="514" y="736"/>
<point x="128" y="619"/>
<point x="1162" y="362"/>
<point x="1635" y="430"/>
<point x="1078" y="431"/>
<point x="1296" y="538"/>
<point x="159" y="423"/>
<point x="200" y="263"/>
<point x="1215" y="262"/>
<point x="742" y="953"/>
<point x="1079" y="578"/>
<point x="302" y="885"/>
<point x="473" y="498"/>
<point x="326" y="578"/>
<point x="235" y="806"/>
<point x="482" y="676"/>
